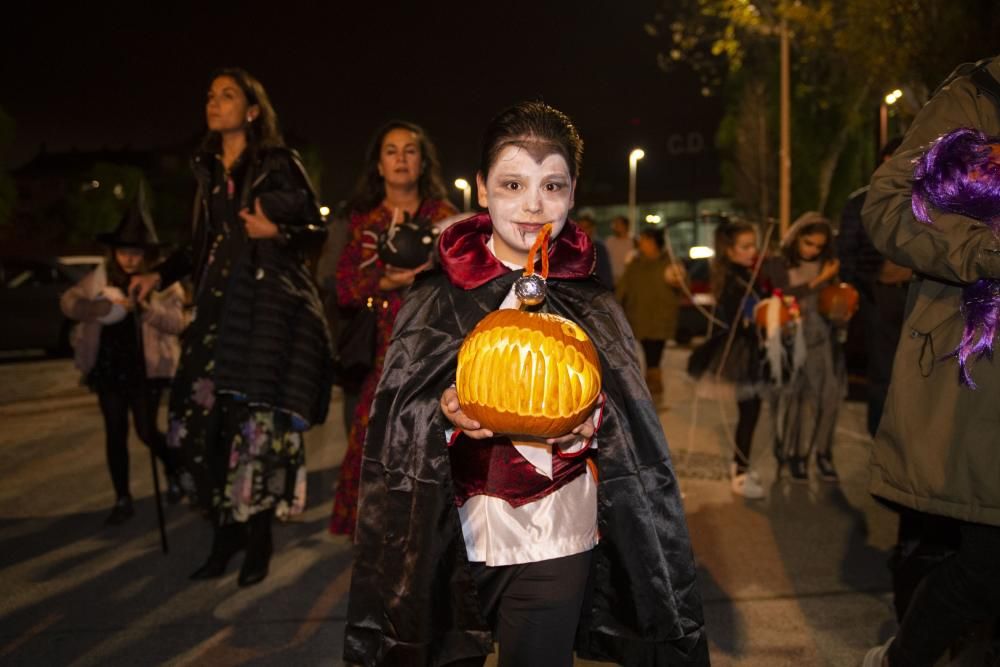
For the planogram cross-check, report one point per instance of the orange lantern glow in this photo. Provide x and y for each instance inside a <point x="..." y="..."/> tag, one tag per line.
<point x="524" y="373"/>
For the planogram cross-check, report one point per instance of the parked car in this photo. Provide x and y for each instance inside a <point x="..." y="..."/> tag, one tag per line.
<point x="30" y="289"/>
<point x="691" y="321"/>
<point x="80" y="265"/>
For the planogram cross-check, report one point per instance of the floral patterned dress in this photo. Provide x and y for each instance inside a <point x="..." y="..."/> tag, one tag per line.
<point x="357" y="281"/>
<point x="240" y="459"/>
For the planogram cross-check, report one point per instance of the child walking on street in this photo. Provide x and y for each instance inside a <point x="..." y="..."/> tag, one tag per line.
<point x="115" y="336"/>
<point x="806" y="265"/>
<point x="734" y="353"/>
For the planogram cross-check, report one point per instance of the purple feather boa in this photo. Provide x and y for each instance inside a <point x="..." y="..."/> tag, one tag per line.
<point x="959" y="174"/>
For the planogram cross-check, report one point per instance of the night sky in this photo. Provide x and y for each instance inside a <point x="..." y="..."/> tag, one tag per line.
<point x="95" y="75"/>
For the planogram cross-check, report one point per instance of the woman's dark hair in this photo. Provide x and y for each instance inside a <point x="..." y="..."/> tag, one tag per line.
<point x="536" y="127"/>
<point x="370" y="189"/>
<point x="655" y="235"/>
<point x="808" y="223"/>
<point x="725" y="238"/>
<point x="262" y="131"/>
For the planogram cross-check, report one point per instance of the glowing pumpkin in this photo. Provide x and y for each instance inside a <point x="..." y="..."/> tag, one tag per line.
<point x="528" y="374"/>
<point x="838" y="302"/>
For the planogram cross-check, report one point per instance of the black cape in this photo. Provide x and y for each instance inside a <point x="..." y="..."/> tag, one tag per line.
<point x="413" y="600"/>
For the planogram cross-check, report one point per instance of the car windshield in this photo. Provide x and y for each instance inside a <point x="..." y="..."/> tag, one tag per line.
<point x="77" y="266"/>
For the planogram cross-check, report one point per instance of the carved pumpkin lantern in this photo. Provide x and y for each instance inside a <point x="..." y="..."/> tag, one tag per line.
<point x="838" y="302"/>
<point x="525" y="373"/>
<point x="528" y="373"/>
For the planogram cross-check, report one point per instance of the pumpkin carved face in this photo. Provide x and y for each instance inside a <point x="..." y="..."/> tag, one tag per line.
<point x="526" y="373"/>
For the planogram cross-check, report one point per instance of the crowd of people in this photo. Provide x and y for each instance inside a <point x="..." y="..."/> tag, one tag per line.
<point x="464" y="536"/>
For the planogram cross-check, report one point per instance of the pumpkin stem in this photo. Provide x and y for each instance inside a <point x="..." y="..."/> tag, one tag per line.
<point x="542" y="243"/>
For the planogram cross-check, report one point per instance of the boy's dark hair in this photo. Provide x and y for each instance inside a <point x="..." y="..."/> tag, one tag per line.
<point x="538" y="128"/>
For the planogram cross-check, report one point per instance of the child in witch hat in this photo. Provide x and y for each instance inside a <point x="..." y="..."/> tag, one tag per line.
<point x="108" y="348"/>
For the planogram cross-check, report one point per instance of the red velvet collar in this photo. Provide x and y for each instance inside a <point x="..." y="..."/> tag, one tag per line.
<point x="468" y="262"/>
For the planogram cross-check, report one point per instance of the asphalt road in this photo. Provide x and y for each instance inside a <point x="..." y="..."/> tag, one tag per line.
<point x="796" y="579"/>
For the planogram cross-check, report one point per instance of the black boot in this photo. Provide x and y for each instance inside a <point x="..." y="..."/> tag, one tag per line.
<point x="175" y="492"/>
<point x="259" y="549"/>
<point x="798" y="469"/>
<point x="226" y="541"/>
<point x="121" y="512"/>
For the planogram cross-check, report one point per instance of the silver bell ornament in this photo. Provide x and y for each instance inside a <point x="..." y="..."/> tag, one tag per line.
<point x="530" y="290"/>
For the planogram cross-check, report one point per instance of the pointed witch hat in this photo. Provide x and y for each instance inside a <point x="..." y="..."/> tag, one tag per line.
<point x="136" y="228"/>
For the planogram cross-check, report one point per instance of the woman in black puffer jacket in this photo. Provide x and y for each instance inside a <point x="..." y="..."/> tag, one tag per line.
<point x="256" y="361"/>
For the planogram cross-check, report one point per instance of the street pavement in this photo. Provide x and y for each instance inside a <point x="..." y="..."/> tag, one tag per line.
<point x="798" y="578"/>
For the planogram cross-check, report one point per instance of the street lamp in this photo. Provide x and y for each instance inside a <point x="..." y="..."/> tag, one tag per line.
<point x="466" y="189"/>
<point x="633" y="160"/>
<point x="883" y="116"/>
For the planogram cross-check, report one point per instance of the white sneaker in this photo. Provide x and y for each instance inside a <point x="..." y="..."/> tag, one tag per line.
<point x="746" y="483"/>
<point x="876" y="656"/>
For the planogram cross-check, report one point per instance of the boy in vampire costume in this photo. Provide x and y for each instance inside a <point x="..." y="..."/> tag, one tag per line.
<point x="461" y="541"/>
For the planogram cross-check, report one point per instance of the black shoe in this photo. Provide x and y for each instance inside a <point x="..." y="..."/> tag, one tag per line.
<point x="174" y="491"/>
<point x="226" y="541"/>
<point x="798" y="470"/>
<point x="259" y="549"/>
<point x="121" y="512"/>
<point x="826" y="470"/>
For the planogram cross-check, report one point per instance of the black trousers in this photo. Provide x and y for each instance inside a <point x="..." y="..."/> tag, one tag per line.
<point x="534" y="609"/>
<point x="115" y="405"/>
<point x="960" y="592"/>
<point x="749" y="413"/>
<point x="653" y="351"/>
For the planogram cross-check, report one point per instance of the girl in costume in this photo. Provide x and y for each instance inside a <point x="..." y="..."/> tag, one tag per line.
<point x="402" y="176"/>
<point x="735" y="353"/>
<point x="256" y="363"/>
<point x="807" y="263"/>
<point x="460" y="539"/>
<point x="109" y="349"/>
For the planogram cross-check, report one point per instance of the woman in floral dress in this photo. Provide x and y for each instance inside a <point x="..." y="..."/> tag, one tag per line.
<point x="256" y="362"/>
<point x="401" y="176"/>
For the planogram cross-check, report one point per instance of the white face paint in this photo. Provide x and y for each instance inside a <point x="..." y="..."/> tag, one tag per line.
<point x="522" y="196"/>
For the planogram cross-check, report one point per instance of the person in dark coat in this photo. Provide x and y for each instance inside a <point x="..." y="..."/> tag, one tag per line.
<point x="456" y="529"/>
<point x="256" y="362"/>
<point x="937" y="449"/>
<point x="881" y="285"/>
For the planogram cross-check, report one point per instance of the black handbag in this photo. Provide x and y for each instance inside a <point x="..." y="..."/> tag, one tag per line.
<point x="356" y="341"/>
